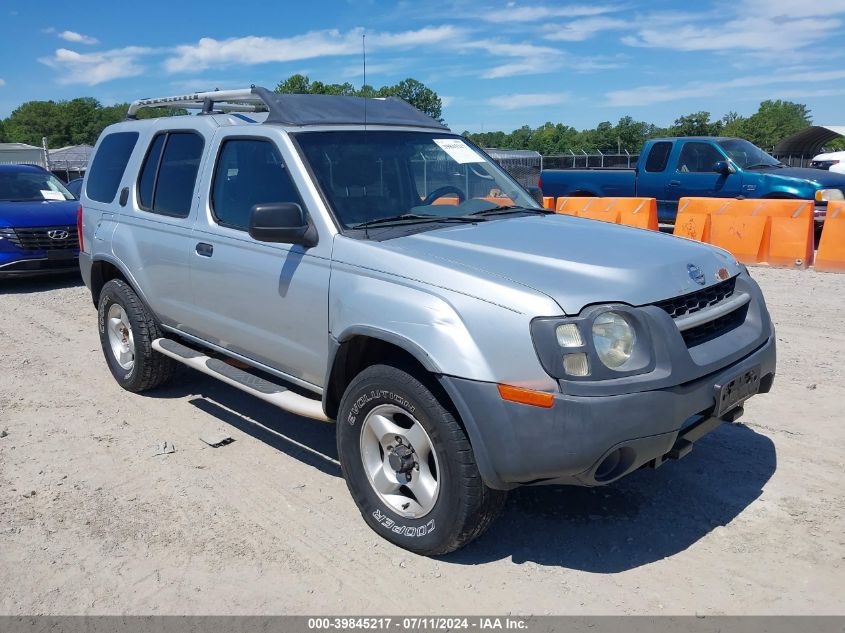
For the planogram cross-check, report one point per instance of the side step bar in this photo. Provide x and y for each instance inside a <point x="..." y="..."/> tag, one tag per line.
<point x="268" y="391"/>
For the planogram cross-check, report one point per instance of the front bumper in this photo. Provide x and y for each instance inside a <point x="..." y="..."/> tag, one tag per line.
<point x="37" y="263"/>
<point x="570" y="442"/>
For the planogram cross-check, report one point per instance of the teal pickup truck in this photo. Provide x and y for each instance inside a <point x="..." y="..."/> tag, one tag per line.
<point x="672" y="168"/>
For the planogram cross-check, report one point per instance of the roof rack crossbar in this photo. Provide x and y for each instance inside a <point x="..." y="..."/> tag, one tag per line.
<point x="241" y="100"/>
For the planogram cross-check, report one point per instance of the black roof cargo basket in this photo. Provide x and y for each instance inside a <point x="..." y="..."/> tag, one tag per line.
<point x="297" y="109"/>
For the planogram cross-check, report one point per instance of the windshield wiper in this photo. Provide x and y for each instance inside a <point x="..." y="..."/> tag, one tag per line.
<point x="764" y="165"/>
<point x="510" y="208"/>
<point x="412" y="218"/>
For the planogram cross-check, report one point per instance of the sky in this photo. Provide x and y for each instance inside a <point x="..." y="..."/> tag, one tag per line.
<point x="496" y="65"/>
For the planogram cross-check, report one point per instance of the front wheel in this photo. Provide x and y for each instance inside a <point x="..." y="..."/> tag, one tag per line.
<point x="409" y="465"/>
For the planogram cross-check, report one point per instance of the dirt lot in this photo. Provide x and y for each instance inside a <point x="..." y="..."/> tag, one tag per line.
<point x="91" y="522"/>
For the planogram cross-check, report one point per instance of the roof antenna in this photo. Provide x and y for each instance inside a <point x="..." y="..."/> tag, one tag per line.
<point x="364" y="87"/>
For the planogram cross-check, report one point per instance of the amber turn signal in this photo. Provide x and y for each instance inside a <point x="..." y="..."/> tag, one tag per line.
<point x="527" y="396"/>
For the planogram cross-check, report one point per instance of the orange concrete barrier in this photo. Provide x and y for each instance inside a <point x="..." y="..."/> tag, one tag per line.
<point x="831" y="255"/>
<point x="548" y="202"/>
<point x="636" y="212"/>
<point x="745" y="236"/>
<point x="693" y="219"/>
<point x="640" y="213"/>
<point x="759" y="231"/>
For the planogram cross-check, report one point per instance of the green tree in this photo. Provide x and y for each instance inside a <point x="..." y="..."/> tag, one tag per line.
<point x="773" y="122"/>
<point x="414" y="92"/>
<point x="417" y="94"/>
<point x="695" y="124"/>
<point x="32" y="120"/>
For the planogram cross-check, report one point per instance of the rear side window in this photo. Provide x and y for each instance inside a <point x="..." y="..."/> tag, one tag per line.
<point x="658" y="156"/>
<point x="169" y="173"/>
<point x="108" y="165"/>
<point x="248" y="172"/>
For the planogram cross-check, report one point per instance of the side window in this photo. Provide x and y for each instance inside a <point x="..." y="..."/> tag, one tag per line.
<point x="108" y="165"/>
<point x="248" y="172"/>
<point x="698" y="158"/>
<point x="658" y="156"/>
<point x="169" y="173"/>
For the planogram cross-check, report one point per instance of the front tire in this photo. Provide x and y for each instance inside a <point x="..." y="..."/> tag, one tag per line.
<point x="409" y="465"/>
<point x="127" y="331"/>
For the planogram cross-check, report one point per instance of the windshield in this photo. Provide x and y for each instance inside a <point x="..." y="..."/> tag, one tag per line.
<point x="747" y="155"/>
<point x="29" y="186"/>
<point x="406" y="176"/>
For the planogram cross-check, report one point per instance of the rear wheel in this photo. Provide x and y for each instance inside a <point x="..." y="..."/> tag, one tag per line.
<point x="127" y="331"/>
<point x="409" y="465"/>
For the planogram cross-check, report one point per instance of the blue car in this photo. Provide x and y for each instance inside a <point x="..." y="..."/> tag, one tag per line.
<point x="38" y="223"/>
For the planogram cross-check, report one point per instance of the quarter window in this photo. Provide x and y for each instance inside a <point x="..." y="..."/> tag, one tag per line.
<point x="698" y="158"/>
<point x="248" y="172"/>
<point x="166" y="183"/>
<point x="108" y="165"/>
<point x="658" y="156"/>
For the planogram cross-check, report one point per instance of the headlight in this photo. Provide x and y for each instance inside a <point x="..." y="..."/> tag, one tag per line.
<point x="614" y="338"/>
<point x="829" y="195"/>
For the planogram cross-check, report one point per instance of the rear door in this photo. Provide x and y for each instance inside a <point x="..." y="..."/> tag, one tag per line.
<point x="153" y="238"/>
<point x="267" y="302"/>
<point x="693" y="174"/>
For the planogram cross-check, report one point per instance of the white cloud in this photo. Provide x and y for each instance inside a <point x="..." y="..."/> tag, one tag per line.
<point x="755" y="34"/>
<point x="77" y="38"/>
<point x="448" y="100"/>
<point x="580" y="30"/>
<point x="2" y="82"/>
<point x="755" y="26"/>
<point x="514" y="13"/>
<point x="247" y="50"/>
<point x="95" y="68"/>
<point x="527" y="100"/>
<point x="649" y="95"/>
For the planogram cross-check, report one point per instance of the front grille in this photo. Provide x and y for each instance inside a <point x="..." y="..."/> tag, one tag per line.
<point x="715" y="328"/>
<point x="695" y="301"/>
<point x="699" y="300"/>
<point x="38" y="238"/>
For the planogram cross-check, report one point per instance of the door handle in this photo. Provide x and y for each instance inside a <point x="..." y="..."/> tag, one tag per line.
<point x="204" y="249"/>
<point x="674" y="183"/>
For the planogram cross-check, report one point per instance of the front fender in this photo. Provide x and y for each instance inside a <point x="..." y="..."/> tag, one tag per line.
<point x="448" y="332"/>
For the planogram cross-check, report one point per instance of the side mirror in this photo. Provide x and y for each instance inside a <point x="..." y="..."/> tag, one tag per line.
<point x="723" y="167"/>
<point x="535" y="193"/>
<point x="281" y="222"/>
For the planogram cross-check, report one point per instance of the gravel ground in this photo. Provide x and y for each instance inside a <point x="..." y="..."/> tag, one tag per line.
<point x="91" y="522"/>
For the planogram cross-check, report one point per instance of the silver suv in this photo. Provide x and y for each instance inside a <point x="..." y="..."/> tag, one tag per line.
<point x="353" y="260"/>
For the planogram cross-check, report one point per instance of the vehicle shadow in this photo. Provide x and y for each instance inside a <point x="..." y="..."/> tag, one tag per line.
<point x="26" y="285"/>
<point x="640" y="519"/>
<point x="309" y="441"/>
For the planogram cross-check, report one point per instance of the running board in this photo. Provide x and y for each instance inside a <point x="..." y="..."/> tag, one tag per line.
<point x="271" y="392"/>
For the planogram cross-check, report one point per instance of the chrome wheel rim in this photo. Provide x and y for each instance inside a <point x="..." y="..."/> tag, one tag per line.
<point x="400" y="461"/>
<point x="121" y="340"/>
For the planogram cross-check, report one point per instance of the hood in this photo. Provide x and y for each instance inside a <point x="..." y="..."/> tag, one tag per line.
<point x="574" y="261"/>
<point x="820" y="177"/>
<point x="40" y="213"/>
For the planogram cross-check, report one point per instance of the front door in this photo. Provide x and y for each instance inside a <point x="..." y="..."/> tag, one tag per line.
<point x="694" y="175"/>
<point x="268" y="302"/>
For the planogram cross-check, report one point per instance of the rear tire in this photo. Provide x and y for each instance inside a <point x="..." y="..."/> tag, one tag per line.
<point x="430" y="499"/>
<point x="127" y="331"/>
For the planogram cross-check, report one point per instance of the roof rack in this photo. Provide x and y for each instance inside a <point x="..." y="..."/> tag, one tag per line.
<point x="241" y="100"/>
<point x="298" y="109"/>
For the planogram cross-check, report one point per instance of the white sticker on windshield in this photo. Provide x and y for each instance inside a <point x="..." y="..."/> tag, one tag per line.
<point x="52" y="195"/>
<point x="458" y="150"/>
